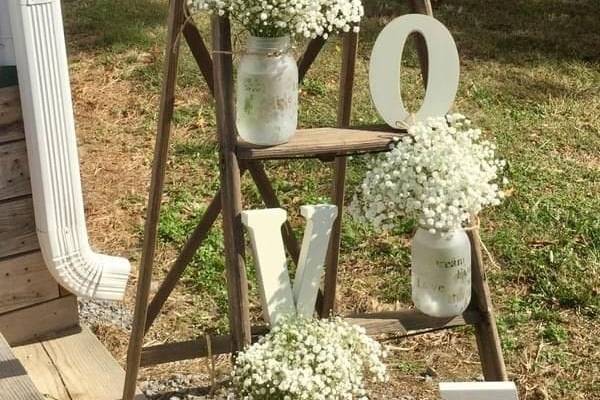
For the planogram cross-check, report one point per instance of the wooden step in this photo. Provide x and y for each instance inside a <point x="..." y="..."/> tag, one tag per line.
<point x="15" y="384"/>
<point x="321" y="143"/>
<point x="73" y="367"/>
<point x="408" y="322"/>
<point x="395" y="323"/>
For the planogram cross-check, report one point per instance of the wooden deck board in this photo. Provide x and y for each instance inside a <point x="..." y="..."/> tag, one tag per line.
<point x="39" y="365"/>
<point x="24" y="281"/>
<point x="14" y="171"/>
<point x="29" y="324"/>
<point x="14" y="382"/>
<point x="17" y="227"/>
<point x="74" y="367"/>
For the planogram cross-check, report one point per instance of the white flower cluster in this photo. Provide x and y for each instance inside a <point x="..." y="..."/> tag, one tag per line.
<point x="441" y="173"/>
<point x="309" y="359"/>
<point x="275" y="18"/>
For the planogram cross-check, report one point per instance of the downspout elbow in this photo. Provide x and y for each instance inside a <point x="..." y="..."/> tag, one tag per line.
<point x="86" y="273"/>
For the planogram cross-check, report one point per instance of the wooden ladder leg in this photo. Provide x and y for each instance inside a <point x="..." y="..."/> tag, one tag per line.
<point x="486" y="332"/>
<point x="156" y="189"/>
<point x="422" y="7"/>
<point x="231" y="200"/>
<point x="344" y="114"/>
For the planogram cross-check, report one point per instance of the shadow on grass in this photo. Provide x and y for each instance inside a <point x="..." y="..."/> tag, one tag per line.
<point x="511" y="30"/>
<point x="506" y="31"/>
<point x="116" y="24"/>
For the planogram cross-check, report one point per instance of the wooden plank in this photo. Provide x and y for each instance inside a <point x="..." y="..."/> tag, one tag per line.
<point x="11" y="133"/>
<point x="87" y="369"/>
<point x="42" y="371"/>
<point x="309" y="56"/>
<point x="41" y="320"/>
<point x="17" y="227"/>
<point x="486" y="332"/>
<point x="14" y="382"/>
<point x="24" y="281"/>
<point x="186" y="350"/>
<point x="321" y="141"/>
<point x="380" y="127"/>
<point x="161" y="150"/>
<point x="407" y="323"/>
<point x="14" y="171"/>
<point x="397" y="323"/>
<point x="192" y="349"/>
<point x="237" y="284"/>
<point x="10" y="105"/>
<point x="344" y="114"/>
<point x="200" y="52"/>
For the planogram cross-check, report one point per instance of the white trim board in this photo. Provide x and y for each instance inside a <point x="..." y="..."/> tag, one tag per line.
<point x="478" y="391"/>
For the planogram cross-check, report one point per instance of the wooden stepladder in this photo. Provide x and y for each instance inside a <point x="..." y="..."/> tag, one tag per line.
<point x="237" y="158"/>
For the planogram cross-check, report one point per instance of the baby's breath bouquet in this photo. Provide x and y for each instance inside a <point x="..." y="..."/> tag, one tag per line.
<point x="276" y="18"/>
<point x="441" y="173"/>
<point x="306" y="358"/>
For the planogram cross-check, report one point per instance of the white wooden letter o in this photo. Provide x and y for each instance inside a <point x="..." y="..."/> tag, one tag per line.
<point x="386" y="59"/>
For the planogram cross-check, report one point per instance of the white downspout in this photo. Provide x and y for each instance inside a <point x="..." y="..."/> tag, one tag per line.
<point x="42" y="66"/>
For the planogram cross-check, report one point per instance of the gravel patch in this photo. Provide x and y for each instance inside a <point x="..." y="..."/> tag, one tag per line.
<point x="103" y="312"/>
<point x="180" y="387"/>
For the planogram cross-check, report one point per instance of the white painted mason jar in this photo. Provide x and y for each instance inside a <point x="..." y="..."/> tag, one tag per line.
<point x="267" y="92"/>
<point x="441" y="272"/>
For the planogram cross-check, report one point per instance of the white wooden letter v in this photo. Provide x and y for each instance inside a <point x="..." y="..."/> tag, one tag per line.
<point x="277" y="296"/>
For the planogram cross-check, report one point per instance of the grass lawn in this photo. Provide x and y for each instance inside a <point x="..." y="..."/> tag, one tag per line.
<point x="530" y="79"/>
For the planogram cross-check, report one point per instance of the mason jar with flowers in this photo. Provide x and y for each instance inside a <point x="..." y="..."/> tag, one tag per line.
<point x="441" y="174"/>
<point x="267" y="76"/>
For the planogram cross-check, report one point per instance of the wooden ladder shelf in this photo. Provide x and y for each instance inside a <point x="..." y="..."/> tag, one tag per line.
<point x="236" y="157"/>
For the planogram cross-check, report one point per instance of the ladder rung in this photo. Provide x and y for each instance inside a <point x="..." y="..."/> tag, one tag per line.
<point x="406" y="323"/>
<point x="399" y="323"/>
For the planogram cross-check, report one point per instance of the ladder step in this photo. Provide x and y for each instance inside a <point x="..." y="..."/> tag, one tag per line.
<point x="321" y="142"/>
<point x="398" y="323"/>
<point x="410" y="322"/>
